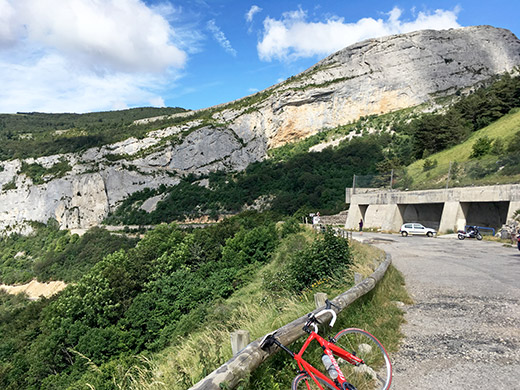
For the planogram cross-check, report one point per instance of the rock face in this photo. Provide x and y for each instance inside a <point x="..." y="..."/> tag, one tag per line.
<point x="381" y="75"/>
<point x="371" y="77"/>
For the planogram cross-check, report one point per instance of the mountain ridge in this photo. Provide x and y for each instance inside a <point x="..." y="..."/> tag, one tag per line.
<point x="371" y="77"/>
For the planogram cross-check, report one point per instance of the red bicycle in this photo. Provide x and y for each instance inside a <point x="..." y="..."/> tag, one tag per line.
<point x="353" y="353"/>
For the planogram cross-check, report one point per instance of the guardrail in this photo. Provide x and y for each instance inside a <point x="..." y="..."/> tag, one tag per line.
<point x="247" y="360"/>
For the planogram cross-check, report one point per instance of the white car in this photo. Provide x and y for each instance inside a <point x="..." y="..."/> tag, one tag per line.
<point x="416" y="228"/>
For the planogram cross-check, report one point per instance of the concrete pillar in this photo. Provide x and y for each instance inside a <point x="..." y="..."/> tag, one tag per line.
<point x="393" y="218"/>
<point x="453" y="216"/>
<point x="353" y="217"/>
<point x="375" y="215"/>
<point x="513" y="206"/>
<point x="239" y="340"/>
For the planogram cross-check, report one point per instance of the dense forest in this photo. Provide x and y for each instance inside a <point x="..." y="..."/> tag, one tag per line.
<point x="433" y="132"/>
<point x="53" y="254"/>
<point x="34" y="134"/>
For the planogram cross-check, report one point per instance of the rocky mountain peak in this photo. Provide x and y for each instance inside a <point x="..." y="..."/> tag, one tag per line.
<point x="379" y="75"/>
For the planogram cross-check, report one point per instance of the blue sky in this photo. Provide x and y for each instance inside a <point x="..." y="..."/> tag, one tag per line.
<point x="97" y="55"/>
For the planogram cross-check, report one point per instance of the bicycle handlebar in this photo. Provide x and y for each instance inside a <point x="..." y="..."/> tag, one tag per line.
<point x="332" y="312"/>
<point x="328" y="309"/>
<point x="270" y="338"/>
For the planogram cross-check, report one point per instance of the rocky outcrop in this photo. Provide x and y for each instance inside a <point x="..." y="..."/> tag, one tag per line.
<point x="102" y="177"/>
<point x="78" y="200"/>
<point x="371" y="77"/>
<point x="381" y="75"/>
<point x="35" y="289"/>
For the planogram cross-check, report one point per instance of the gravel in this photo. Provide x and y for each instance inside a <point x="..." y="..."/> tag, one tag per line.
<point x="463" y="330"/>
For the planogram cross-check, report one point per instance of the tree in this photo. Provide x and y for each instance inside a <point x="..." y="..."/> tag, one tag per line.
<point x="481" y="147"/>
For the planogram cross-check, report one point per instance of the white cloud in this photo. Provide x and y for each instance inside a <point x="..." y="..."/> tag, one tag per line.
<point x="220" y="37"/>
<point x="54" y="84"/>
<point x="251" y="13"/>
<point x="294" y="37"/>
<point x="7" y="26"/>
<point x="85" y="55"/>
<point x="157" y="102"/>
<point x="121" y="35"/>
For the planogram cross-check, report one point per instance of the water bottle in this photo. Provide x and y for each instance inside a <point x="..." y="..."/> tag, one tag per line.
<point x="329" y="366"/>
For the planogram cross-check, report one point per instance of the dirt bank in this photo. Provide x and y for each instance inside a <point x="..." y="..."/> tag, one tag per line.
<point x="35" y="289"/>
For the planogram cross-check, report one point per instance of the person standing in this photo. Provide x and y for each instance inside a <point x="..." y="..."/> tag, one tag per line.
<point x="361" y="225"/>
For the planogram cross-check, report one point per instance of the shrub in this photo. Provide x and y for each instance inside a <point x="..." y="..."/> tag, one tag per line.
<point x="479" y="171"/>
<point x="498" y="147"/>
<point x="290" y="226"/>
<point x="249" y="246"/>
<point x="510" y="164"/>
<point x="328" y="257"/>
<point x="38" y="173"/>
<point x="275" y="279"/>
<point x="429" y="164"/>
<point x="9" y="186"/>
<point x="481" y="147"/>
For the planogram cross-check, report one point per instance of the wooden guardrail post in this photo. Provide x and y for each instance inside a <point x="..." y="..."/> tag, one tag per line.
<point x="239" y="340"/>
<point x="319" y="299"/>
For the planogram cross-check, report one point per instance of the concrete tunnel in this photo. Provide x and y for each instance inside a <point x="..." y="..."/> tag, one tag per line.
<point x="444" y="210"/>
<point x="428" y="214"/>
<point x="484" y="214"/>
<point x="487" y="214"/>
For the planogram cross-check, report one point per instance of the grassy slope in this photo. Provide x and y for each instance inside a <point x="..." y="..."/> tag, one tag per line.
<point x="503" y="128"/>
<point x="196" y="355"/>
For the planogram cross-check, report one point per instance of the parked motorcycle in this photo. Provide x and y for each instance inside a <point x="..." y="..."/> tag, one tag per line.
<point x="471" y="232"/>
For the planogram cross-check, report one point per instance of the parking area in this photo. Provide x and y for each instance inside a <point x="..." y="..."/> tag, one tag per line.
<point x="463" y="331"/>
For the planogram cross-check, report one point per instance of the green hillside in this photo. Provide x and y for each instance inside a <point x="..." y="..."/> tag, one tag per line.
<point x="489" y="156"/>
<point x="133" y="317"/>
<point x="154" y="311"/>
<point x="53" y="254"/>
<point x="34" y="134"/>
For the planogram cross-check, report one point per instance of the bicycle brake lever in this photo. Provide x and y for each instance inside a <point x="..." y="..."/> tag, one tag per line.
<point x="329" y="304"/>
<point x="312" y="318"/>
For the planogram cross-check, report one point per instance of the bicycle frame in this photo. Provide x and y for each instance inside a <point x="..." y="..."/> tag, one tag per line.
<point x="330" y="349"/>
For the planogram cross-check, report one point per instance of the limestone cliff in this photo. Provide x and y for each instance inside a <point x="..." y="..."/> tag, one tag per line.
<point x="381" y="75"/>
<point x="371" y="77"/>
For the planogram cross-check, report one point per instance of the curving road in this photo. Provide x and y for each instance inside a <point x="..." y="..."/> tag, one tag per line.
<point x="463" y="331"/>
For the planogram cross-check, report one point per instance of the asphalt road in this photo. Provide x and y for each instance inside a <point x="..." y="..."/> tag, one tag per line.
<point x="463" y="330"/>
